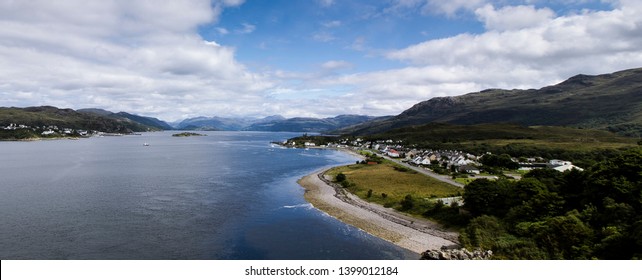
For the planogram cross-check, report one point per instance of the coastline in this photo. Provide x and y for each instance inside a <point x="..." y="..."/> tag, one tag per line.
<point x="414" y="234"/>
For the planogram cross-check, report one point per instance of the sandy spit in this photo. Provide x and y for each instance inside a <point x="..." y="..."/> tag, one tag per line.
<point x="407" y="232"/>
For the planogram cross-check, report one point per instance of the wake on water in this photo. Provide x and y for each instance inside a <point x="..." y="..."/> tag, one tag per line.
<point x="304" y="205"/>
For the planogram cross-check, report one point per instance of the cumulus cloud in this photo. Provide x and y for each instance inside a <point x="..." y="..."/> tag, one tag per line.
<point x="146" y="57"/>
<point x="139" y="56"/>
<point x="599" y="40"/>
<point x="523" y="47"/>
<point x="513" y="18"/>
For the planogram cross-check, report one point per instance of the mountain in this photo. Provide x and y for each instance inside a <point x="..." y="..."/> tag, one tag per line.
<point x="272" y="123"/>
<point x="309" y="124"/>
<point x="96" y="111"/>
<point x="213" y="123"/>
<point x="68" y="118"/>
<point x="148" y="121"/>
<point x="275" y="118"/>
<point x="610" y="102"/>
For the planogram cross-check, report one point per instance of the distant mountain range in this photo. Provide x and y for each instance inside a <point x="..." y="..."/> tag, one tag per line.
<point x="123" y="122"/>
<point x="146" y="121"/>
<point x="272" y="123"/>
<point x="610" y="102"/>
<point x="213" y="123"/>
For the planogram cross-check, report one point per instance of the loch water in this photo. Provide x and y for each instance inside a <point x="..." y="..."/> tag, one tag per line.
<point x="227" y="195"/>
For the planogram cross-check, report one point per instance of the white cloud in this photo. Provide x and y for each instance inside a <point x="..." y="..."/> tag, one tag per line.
<point x="147" y="58"/>
<point x="247" y="28"/>
<point x="359" y="44"/>
<point x="589" y="42"/>
<point x="513" y="17"/>
<point x="451" y="7"/>
<point x="323" y="36"/>
<point x="336" y="64"/>
<point x="232" y="3"/>
<point x="222" y="31"/>
<point x="139" y="56"/>
<point x="331" y="24"/>
<point x="523" y="48"/>
<point x="326" y="3"/>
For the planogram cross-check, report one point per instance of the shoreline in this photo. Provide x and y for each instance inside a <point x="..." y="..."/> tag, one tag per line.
<point x="416" y="235"/>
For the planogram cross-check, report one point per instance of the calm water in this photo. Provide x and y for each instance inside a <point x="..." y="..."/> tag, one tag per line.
<point x="229" y="195"/>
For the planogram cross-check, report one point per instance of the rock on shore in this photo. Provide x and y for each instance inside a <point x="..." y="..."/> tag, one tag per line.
<point x="456" y="254"/>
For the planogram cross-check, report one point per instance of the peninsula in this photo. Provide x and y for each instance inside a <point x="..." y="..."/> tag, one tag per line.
<point x="414" y="234"/>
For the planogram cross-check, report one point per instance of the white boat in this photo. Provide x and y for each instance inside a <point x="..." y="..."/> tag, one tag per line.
<point x="145" y="144"/>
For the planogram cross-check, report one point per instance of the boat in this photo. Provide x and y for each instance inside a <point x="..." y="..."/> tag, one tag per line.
<point x="145" y="144"/>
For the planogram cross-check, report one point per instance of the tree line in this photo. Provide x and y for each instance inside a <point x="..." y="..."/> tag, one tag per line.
<point x="596" y="213"/>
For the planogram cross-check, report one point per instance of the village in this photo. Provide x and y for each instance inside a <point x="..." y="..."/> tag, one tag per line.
<point x="50" y="130"/>
<point x="461" y="166"/>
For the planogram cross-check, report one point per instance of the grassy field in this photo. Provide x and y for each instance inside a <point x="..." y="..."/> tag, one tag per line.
<point x="395" y="183"/>
<point x="465" y="181"/>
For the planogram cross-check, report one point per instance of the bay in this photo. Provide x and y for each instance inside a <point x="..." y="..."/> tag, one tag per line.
<point x="227" y="195"/>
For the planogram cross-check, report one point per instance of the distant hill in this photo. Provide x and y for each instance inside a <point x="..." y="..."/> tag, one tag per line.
<point x="213" y="123"/>
<point x="148" y="121"/>
<point x="123" y="122"/>
<point x="272" y="123"/>
<point x="68" y="118"/>
<point x="309" y="124"/>
<point x="610" y="102"/>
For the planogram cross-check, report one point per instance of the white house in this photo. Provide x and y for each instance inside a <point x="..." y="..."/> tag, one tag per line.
<point x="558" y="162"/>
<point x="567" y="167"/>
<point x="393" y="153"/>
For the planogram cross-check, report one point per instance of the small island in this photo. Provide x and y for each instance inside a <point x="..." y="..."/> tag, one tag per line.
<point x="187" y="134"/>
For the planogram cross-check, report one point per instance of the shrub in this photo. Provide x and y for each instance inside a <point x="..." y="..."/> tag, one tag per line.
<point x="407" y="203"/>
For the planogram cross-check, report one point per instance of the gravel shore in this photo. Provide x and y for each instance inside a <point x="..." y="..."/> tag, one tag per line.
<point x="414" y="234"/>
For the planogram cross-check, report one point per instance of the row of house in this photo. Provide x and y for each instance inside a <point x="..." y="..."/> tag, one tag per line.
<point x="14" y="126"/>
<point x="47" y="129"/>
<point x="453" y="160"/>
<point x="459" y="161"/>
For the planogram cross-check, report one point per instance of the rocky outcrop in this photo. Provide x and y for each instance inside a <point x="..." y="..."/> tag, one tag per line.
<point x="456" y="254"/>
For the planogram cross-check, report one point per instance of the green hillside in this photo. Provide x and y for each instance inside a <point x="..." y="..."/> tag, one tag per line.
<point x="67" y="118"/>
<point x="610" y="102"/>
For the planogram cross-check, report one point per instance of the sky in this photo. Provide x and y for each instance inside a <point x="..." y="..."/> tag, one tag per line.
<point x="315" y="58"/>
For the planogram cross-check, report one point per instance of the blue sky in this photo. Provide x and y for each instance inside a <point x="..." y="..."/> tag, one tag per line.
<point x="302" y="35"/>
<point x="320" y="58"/>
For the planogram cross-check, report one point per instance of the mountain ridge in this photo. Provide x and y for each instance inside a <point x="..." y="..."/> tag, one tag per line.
<point x="609" y="102"/>
<point x="123" y="122"/>
<point x="272" y="123"/>
<point x="39" y="116"/>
